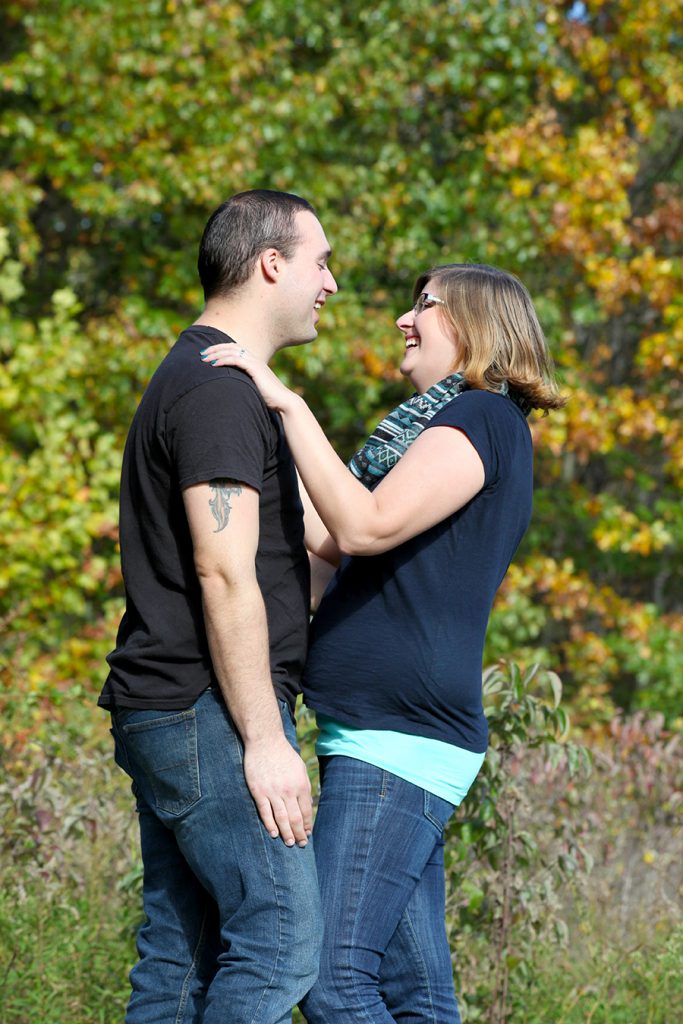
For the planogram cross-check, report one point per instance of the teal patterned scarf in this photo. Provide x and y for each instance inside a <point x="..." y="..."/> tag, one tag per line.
<point x="394" y="435"/>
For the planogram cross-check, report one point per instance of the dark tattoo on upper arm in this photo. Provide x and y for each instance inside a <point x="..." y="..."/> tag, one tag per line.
<point x="219" y="504"/>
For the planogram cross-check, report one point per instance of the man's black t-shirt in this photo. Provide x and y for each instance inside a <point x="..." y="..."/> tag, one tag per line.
<point x="197" y="423"/>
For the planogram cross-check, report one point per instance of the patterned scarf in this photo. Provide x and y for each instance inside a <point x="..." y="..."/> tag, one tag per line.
<point x="397" y="431"/>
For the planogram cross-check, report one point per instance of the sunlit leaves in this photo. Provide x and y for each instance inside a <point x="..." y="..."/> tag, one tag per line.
<point x="541" y="138"/>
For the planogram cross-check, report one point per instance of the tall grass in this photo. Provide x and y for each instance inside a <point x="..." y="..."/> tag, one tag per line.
<point x="69" y="905"/>
<point x="603" y="979"/>
<point x="70" y="902"/>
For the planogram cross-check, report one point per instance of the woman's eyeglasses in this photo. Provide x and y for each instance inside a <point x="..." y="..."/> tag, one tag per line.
<point x="425" y="301"/>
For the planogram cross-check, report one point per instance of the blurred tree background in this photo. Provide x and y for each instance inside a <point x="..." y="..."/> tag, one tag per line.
<point x="543" y="137"/>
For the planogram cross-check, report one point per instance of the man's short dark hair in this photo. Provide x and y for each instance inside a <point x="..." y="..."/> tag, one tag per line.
<point x="240" y="230"/>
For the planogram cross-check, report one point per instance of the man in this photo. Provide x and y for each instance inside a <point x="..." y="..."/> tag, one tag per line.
<point x="206" y="669"/>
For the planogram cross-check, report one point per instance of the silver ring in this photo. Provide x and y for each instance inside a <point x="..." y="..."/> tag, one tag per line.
<point x="242" y="353"/>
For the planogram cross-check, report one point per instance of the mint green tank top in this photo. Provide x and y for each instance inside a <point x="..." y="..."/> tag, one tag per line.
<point x="438" y="767"/>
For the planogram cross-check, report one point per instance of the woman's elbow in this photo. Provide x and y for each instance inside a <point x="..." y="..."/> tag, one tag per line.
<point x="361" y="542"/>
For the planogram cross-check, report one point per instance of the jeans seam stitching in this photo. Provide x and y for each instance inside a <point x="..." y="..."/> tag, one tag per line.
<point x="351" y="973"/>
<point x="420" y="958"/>
<point x="431" y="817"/>
<point x="278" y="954"/>
<point x="129" y="728"/>
<point x="121" y="749"/>
<point x="278" y="902"/>
<point x="191" y="971"/>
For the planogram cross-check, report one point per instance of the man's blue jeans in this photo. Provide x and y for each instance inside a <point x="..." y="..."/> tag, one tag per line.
<point x="233" y="926"/>
<point x="379" y="851"/>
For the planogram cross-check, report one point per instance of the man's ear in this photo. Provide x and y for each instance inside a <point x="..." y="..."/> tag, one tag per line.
<point x="270" y="262"/>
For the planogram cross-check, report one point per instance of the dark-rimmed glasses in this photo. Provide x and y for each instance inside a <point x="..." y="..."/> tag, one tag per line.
<point x="426" y="300"/>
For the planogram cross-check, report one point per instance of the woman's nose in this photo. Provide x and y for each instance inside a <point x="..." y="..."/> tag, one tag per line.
<point x="405" y="320"/>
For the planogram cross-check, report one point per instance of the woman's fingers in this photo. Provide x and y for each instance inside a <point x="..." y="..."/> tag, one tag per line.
<point x="273" y="391"/>
<point x="225" y="354"/>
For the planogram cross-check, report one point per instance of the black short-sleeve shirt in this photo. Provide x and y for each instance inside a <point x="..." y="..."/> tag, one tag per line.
<point x="197" y="423"/>
<point x="398" y="639"/>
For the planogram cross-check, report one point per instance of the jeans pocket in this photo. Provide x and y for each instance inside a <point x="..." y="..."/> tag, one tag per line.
<point x="164" y="749"/>
<point x="436" y="810"/>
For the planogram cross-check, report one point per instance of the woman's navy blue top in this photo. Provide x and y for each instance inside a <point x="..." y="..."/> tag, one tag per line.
<point x="397" y="642"/>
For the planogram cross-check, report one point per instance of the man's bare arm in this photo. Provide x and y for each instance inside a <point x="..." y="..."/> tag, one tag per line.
<point x="224" y="522"/>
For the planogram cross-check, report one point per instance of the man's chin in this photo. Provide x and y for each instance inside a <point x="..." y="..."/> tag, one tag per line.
<point x="301" y="340"/>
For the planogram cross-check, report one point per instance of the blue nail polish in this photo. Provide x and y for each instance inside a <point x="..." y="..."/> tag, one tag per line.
<point x="213" y="362"/>
<point x="202" y="352"/>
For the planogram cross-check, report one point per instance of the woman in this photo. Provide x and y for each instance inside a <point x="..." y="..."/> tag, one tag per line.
<point x="431" y="514"/>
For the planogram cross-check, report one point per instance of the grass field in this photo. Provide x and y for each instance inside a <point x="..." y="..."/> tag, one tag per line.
<point x="70" y="906"/>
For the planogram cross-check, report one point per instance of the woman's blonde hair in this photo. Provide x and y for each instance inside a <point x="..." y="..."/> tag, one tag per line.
<point x="497" y="328"/>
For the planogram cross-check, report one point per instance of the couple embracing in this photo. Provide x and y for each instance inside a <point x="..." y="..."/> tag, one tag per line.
<point x="233" y="507"/>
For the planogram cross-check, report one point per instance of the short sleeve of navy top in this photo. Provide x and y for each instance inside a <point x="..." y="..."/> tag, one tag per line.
<point x="199" y="423"/>
<point x="397" y="642"/>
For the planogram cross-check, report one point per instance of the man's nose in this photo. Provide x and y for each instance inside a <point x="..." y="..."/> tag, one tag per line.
<point x="330" y="284"/>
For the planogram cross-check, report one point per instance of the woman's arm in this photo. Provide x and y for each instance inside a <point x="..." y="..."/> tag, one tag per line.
<point x="439" y="474"/>
<point x="321" y="574"/>
<point x="323" y="552"/>
<point x="317" y="537"/>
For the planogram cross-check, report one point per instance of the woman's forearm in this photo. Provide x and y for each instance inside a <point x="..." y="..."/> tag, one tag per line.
<point x="348" y="510"/>
<point x="439" y="474"/>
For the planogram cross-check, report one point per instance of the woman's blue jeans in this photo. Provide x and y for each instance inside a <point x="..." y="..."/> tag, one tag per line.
<point x="379" y="852"/>
<point x="233" y="924"/>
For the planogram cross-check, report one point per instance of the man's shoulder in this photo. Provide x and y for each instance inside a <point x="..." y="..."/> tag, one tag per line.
<point x="183" y="375"/>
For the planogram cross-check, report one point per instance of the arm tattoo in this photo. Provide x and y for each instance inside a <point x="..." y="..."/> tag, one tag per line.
<point x="219" y="504"/>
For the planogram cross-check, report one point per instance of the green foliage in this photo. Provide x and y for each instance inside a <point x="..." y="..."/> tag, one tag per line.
<point x="606" y="985"/>
<point x="563" y="863"/>
<point x="67" y="908"/>
<point x="506" y="869"/>
<point x="63" y="962"/>
<point x="545" y="141"/>
<point x="521" y="900"/>
<point x="541" y="139"/>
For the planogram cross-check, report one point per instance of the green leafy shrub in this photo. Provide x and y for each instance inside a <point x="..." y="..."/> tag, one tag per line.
<point x="633" y="825"/>
<point x="564" y="853"/>
<point x="506" y="864"/>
